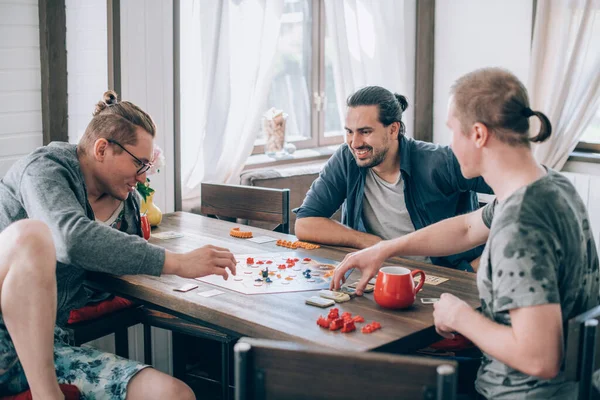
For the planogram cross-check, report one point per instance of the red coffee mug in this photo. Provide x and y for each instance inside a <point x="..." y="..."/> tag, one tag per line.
<point x="395" y="287"/>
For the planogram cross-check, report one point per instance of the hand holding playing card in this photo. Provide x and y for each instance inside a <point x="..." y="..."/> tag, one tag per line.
<point x="445" y="313"/>
<point x="368" y="261"/>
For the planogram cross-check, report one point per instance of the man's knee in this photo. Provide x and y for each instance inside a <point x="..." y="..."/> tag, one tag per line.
<point x="179" y="390"/>
<point x="30" y="237"/>
<point x="152" y="384"/>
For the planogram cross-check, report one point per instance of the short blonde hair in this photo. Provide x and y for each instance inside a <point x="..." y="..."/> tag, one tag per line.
<point x="496" y="98"/>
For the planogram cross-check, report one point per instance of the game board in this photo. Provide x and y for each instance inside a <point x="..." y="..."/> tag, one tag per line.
<point x="284" y="275"/>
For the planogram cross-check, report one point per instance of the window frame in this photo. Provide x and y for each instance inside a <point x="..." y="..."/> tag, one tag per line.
<point x="317" y="86"/>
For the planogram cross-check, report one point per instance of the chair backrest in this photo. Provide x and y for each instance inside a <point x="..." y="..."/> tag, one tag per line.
<point x="247" y="202"/>
<point x="582" y="351"/>
<point x="266" y="369"/>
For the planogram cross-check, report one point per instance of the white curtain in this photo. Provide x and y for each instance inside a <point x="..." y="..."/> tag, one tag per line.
<point x="227" y="53"/>
<point x="367" y="39"/>
<point x="564" y="74"/>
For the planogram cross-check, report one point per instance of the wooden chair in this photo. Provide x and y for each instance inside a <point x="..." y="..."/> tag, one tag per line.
<point x="267" y="369"/>
<point x="582" y="352"/>
<point x="247" y="203"/>
<point x="116" y="322"/>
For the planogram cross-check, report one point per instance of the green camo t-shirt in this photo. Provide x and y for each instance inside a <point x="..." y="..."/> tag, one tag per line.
<point x="540" y="251"/>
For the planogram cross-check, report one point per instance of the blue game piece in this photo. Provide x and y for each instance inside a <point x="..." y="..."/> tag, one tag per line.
<point x="268" y="280"/>
<point x="258" y="280"/>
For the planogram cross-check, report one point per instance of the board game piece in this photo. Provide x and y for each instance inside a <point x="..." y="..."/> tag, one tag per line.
<point x="358" y="319"/>
<point x="336" y="324"/>
<point x="319" y="302"/>
<point x="368" y="289"/>
<point x="268" y="280"/>
<point x="349" y="291"/>
<point x="323" y="322"/>
<point x="186" y="288"/>
<point x="431" y="280"/>
<point x="338" y="297"/>
<point x="333" y="313"/>
<point x="237" y="233"/>
<point x="348" y="327"/>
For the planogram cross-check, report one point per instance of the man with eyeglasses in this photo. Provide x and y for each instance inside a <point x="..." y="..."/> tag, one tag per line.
<point x="84" y="193"/>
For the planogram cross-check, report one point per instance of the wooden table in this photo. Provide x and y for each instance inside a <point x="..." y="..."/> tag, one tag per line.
<point x="283" y="316"/>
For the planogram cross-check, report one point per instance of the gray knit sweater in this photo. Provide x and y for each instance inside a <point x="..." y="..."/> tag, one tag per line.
<point x="48" y="185"/>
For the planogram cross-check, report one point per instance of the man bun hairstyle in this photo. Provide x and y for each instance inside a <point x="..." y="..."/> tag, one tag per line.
<point x="116" y="120"/>
<point x="391" y="105"/>
<point x="496" y="98"/>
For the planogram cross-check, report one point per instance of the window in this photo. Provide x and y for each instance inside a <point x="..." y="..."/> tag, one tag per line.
<point x="303" y="85"/>
<point x="591" y="137"/>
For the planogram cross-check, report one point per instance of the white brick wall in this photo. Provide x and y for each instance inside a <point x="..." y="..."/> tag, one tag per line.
<point x="87" y="64"/>
<point x="20" y="81"/>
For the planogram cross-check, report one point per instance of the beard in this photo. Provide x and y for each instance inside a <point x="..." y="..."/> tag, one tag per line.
<point x="376" y="158"/>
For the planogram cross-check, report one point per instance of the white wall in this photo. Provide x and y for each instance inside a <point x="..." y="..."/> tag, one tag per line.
<point x="20" y="81"/>
<point x="147" y="78"/>
<point x="87" y="63"/>
<point x="471" y="34"/>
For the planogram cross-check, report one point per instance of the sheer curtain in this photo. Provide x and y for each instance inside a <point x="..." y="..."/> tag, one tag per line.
<point x="367" y="39"/>
<point x="227" y="53"/>
<point x="564" y="74"/>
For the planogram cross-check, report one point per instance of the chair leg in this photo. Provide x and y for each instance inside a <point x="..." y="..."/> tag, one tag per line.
<point x="179" y="355"/>
<point x="147" y="344"/>
<point x="121" y="343"/>
<point x="225" y="366"/>
<point x="588" y="361"/>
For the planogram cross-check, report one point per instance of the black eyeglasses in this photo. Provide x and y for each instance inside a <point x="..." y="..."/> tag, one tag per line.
<point x="145" y="166"/>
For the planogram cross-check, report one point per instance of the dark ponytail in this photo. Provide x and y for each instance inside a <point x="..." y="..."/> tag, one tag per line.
<point x="545" y="128"/>
<point x="402" y="101"/>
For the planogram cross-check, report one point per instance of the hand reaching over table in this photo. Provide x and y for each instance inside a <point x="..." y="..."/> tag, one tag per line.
<point x="368" y="261"/>
<point x="206" y="260"/>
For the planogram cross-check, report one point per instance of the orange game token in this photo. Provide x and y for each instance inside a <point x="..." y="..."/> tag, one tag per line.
<point x="236" y="233"/>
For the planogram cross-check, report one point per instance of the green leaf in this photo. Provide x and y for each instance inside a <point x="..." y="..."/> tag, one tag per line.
<point x="144" y="190"/>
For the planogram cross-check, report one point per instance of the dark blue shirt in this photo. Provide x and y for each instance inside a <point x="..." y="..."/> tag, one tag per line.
<point x="434" y="189"/>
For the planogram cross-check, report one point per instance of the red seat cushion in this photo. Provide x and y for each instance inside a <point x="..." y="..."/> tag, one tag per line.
<point x="458" y="343"/>
<point x="93" y="311"/>
<point x="70" y="391"/>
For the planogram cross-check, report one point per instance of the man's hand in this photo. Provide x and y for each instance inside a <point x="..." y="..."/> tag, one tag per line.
<point x="206" y="260"/>
<point x="368" y="261"/>
<point x="446" y="312"/>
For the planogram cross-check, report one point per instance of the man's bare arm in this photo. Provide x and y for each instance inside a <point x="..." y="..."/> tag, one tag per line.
<point x="327" y="231"/>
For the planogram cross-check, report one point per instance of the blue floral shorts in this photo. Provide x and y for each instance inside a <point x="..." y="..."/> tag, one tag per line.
<point x="97" y="374"/>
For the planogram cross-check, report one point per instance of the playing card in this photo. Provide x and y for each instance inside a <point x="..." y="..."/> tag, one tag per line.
<point x="429" y="300"/>
<point x="210" y="293"/>
<point x="167" y="235"/>
<point x="186" y="288"/>
<point x="319" y="302"/>
<point x="262" y="239"/>
<point x="431" y="280"/>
